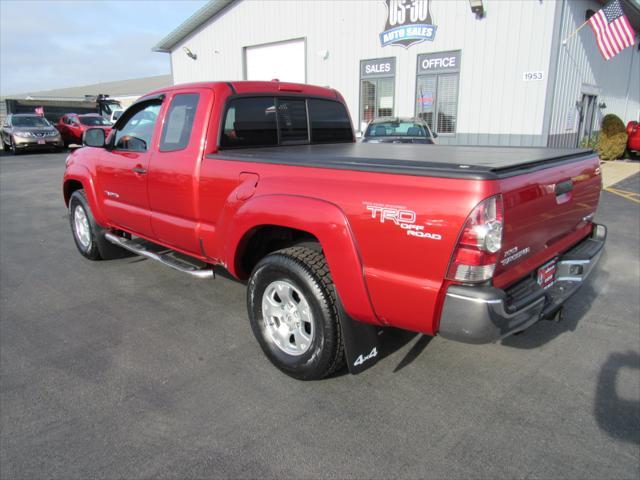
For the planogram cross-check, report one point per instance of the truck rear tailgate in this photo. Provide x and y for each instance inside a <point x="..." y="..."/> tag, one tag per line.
<point x="546" y="211"/>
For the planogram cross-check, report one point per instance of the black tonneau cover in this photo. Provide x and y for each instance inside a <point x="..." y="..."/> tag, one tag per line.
<point x="411" y="159"/>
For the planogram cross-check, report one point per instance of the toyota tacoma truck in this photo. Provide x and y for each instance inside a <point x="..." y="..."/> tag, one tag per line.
<point x="336" y="239"/>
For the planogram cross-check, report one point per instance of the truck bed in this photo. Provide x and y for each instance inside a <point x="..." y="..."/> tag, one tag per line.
<point x="411" y="159"/>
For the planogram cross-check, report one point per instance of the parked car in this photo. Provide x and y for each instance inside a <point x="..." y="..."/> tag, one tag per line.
<point x="398" y="130"/>
<point x="21" y="132"/>
<point x="335" y="238"/>
<point x="53" y="109"/>
<point x="72" y="126"/>
<point x="633" y="141"/>
<point x="115" y="115"/>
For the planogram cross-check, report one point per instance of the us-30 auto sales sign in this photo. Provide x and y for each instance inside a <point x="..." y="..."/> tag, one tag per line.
<point x="408" y="22"/>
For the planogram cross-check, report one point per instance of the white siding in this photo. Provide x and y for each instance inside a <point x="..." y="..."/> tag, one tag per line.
<point x="581" y="67"/>
<point x="495" y="105"/>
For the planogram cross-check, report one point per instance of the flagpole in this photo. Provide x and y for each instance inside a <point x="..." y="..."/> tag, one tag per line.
<point x="564" y="42"/>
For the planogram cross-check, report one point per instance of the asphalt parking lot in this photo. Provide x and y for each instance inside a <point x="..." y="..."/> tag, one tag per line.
<point x="127" y="369"/>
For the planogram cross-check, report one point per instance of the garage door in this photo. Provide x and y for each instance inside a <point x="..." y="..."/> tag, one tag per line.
<point x="284" y="61"/>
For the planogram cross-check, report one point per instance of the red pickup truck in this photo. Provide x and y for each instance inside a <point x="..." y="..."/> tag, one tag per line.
<point x="336" y="239"/>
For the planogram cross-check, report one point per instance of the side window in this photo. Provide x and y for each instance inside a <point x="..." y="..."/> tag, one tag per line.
<point x="136" y="133"/>
<point x="178" y="124"/>
<point x="329" y="122"/>
<point x="250" y="122"/>
<point x="292" y="121"/>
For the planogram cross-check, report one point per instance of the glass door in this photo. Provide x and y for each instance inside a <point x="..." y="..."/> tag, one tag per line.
<point x="587" y="116"/>
<point x="376" y="99"/>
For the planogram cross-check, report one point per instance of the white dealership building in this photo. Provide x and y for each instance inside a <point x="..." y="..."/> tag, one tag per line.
<point x="481" y="72"/>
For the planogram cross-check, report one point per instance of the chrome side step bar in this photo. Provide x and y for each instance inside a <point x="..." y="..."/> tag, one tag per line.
<point x="138" y="248"/>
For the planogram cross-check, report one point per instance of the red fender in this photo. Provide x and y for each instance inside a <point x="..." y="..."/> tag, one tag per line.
<point x="322" y="219"/>
<point x="81" y="174"/>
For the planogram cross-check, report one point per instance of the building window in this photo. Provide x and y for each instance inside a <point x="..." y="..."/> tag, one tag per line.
<point x="377" y="89"/>
<point x="437" y="90"/>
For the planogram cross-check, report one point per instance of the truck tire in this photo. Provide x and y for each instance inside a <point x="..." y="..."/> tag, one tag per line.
<point x="291" y="301"/>
<point x="88" y="236"/>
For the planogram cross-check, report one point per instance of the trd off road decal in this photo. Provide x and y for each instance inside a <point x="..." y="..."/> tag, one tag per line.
<point x="514" y="254"/>
<point x="408" y="22"/>
<point x="400" y="216"/>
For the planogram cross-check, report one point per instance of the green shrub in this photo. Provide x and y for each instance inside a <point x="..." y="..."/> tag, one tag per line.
<point x="612" y="140"/>
<point x="612" y="124"/>
<point x="613" y="146"/>
<point x="592" y="144"/>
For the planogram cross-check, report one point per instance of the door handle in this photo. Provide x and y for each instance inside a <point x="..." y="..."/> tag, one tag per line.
<point x="563" y="187"/>
<point x="139" y="170"/>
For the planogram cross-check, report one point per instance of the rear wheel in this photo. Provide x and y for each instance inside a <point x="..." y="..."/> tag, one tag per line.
<point x="292" y="310"/>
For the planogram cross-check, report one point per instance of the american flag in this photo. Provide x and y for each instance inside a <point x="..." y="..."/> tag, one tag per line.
<point x="612" y="29"/>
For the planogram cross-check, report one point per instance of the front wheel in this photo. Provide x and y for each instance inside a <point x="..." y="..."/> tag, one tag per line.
<point x="83" y="226"/>
<point x="88" y="236"/>
<point x="292" y="310"/>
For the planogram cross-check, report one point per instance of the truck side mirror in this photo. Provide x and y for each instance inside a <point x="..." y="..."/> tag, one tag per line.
<point x="93" y="137"/>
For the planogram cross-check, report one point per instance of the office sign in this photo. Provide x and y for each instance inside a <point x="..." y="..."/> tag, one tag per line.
<point x="378" y="67"/>
<point x="408" y="22"/>
<point x="441" y="62"/>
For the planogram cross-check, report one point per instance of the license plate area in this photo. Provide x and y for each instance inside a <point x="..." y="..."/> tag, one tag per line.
<point x="41" y="141"/>
<point x="547" y="273"/>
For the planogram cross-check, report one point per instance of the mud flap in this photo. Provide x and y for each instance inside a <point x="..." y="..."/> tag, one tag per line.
<point x="361" y="347"/>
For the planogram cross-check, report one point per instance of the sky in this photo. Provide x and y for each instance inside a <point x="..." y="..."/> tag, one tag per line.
<point x="50" y="44"/>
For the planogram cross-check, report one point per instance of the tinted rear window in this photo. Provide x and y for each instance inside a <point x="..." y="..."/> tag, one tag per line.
<point x="269" y="121"/>
<point x="329" y="121"/>
<point x="292" y="121"/>
<point x="250" y="122"/>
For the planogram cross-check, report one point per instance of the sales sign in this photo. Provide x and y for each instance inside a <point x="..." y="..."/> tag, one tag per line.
<point x="378" y="67"/>
<point x="408" y="22"/>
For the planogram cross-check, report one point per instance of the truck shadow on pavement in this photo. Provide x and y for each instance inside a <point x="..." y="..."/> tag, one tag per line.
<point x="617" y="415"/>
<point x="393" y="339"/>
<point x="575" y="308"/>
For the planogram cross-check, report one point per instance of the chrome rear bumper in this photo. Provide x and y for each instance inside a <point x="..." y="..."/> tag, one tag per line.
<point x="479" y="314"/>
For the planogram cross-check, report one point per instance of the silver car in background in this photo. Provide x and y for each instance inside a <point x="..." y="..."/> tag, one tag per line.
<point x="24" y="131"/>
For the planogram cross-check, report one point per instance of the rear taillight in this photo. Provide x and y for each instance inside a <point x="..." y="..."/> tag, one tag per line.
<point x="480" y="242"/>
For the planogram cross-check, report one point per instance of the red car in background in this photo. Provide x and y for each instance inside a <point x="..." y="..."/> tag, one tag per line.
<point x="71" y="126"/>
<point x="633" y="142"/>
